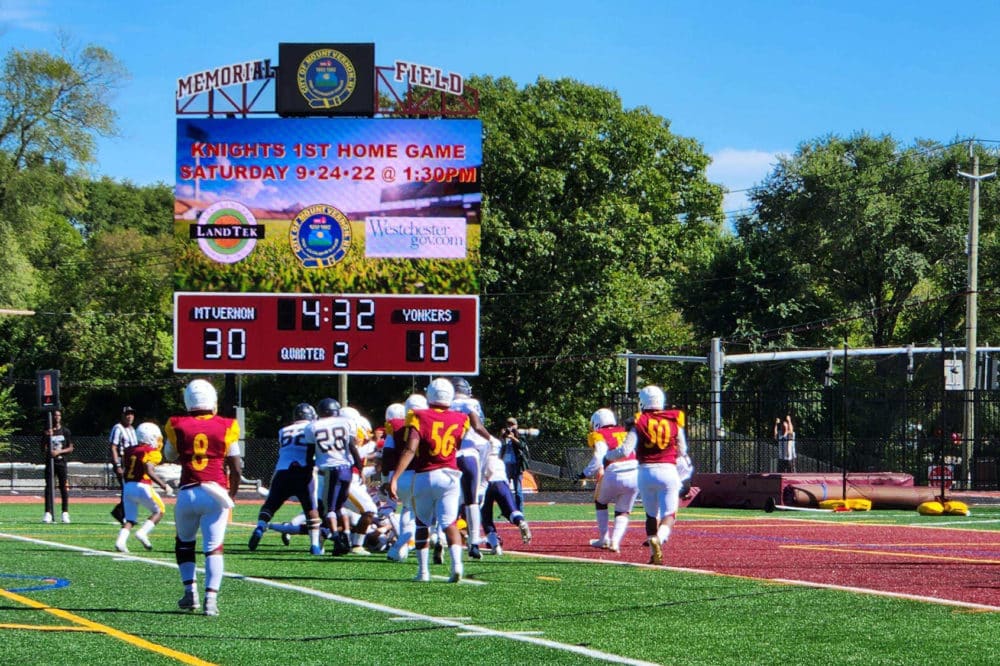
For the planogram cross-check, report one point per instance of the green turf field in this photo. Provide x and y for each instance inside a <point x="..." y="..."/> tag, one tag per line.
<point x="69" y="599"/>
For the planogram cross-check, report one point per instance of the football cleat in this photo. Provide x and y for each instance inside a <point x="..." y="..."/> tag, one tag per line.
<point x="316" y="550"/>
<point x="341" y="543"/>
<point x="656" y="551"/>
<point x="525" y="531"/>
<point x="422" y="577"/>
<point x="496" y="550"/>
<point x="474" y="552"/>
<point x="438" y="554"/>
<point x="144" y="540"/>
<point x="613" y="548"/>
<point x="600" y="543"/>
<point x="360" y="550"/>
<point x="189" y="602"/>
<point x="455" y="577"/>
<point x="211" y="606"/>
<point x="255" y="538"/>
<point x="121" y="547"/>
<point x="286" y="539"/>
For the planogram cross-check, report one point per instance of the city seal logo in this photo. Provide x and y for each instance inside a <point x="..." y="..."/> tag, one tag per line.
<point x="227" y="232"/>
<point x="326" y="78"/>
<point x="320" y="236"/>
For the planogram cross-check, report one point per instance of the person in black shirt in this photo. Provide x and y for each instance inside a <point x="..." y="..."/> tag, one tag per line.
<point x="57" y="442"/>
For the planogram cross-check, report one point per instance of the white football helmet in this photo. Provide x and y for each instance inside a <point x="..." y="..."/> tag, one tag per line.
<point x="149" y="434"/>
<point x="601" y="418"/>
<point x="200" y="394"/>
<point x="415" y="401"/>
<point x="351" y="413"/>
<point x="440" y="392"/>
<point x="396" y="410"/>
<point x="652" y="397"/>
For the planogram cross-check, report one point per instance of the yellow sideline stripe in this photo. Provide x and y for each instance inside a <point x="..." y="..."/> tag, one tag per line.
<point x="889" y="553"/>
<point x="43" y="627"/>
<point x="104" y="629"/>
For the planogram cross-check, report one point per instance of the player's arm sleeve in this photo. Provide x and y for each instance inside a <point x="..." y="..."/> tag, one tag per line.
<point x="597" y="461"/>
<point x="170" y="445"/>
<point x="627" y="447"/>
<point x="235" y="473"/>
<point x="408" y="453"/>
<point x="390" y="456"/>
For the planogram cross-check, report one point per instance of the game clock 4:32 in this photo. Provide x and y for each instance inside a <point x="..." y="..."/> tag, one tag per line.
<point x="326" y="333"/>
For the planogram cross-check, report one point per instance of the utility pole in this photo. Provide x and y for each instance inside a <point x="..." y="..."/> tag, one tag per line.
<point x="971" y="315"/>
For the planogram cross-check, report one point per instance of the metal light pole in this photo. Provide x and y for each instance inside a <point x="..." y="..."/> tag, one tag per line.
<point x="971" y="314"/>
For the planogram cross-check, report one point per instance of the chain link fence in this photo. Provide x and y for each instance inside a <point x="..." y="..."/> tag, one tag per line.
<point x="862" y="430"/>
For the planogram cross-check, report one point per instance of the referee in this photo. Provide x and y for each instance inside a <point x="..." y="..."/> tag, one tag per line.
<point x="122" y="437"/>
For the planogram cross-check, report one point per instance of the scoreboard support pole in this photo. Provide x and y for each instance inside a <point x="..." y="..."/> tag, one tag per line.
<point x="342" y="388"/>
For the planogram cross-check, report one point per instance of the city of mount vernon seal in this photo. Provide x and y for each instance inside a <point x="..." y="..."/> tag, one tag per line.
<point x="326" y="78"/>
<point x="320" y="236"/>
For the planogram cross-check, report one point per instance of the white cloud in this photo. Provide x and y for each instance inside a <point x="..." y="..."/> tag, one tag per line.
<point x="738" y="170"/>
<point x="24" y="15"/>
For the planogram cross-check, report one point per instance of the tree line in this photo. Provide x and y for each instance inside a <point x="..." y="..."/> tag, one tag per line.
<point x="601" y="234"/>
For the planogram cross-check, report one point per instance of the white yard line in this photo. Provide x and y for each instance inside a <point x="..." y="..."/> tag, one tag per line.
<point x="464" y="628"/>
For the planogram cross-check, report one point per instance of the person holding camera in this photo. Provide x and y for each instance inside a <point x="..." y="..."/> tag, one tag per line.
<point x="784" y="434"/>
<point x="514" y="454"/>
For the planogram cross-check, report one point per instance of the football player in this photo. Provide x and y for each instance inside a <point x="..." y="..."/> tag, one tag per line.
<point x="293" y="477"/>
<point x="207" y="447"/>
<point x="475" y="446"/>
<point x="616" y="480"/>
<point x="396" y="439"/>
<point x="139" y="473"/>
<point x="657" y="439"/>
<point x="334" y="438"/>
<point x="432" y="441"/>
<point x="498" y="492"/>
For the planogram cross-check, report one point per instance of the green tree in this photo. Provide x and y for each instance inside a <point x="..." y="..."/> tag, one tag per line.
<point x="855" y="237"/>
<point x="592" y="213"/>
<point x="52" y="106"/>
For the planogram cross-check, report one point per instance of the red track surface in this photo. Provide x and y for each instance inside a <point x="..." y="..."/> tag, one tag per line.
<point x="956" y="565"/>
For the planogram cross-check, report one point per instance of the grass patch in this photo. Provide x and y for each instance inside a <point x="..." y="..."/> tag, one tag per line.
<point x="293" y="608"/>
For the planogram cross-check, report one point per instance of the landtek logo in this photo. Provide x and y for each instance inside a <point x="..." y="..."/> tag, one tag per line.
<point x="227" y="232"/>
<point x="320" y="236"/>
<point x="326" y="78"/>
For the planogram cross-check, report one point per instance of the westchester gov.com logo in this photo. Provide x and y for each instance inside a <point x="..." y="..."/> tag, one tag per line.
<point x="415" y="237"/>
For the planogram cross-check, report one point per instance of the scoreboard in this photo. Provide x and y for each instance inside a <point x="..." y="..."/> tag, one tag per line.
<point x="326" y="333"/>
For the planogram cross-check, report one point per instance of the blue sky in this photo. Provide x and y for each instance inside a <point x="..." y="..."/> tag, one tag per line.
<point x="747" y="79"/>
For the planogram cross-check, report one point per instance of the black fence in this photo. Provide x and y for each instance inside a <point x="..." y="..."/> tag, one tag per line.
<point x="861" y="430"/>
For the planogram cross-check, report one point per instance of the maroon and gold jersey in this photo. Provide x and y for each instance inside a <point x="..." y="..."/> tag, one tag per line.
<point x="134" y="463"/>
<point x="612" y="436"/>
<point x="393" y="426"/>
<point x="441" y="432"/>
<point x="657" y="431"/>
<point x="202" y="443"/>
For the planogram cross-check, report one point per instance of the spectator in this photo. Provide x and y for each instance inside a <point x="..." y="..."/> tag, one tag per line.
<point x="122" y="437"/>
<point x="57" y="442"/>
<point x="515" y="459"/>
<point x="784" y="433"/>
